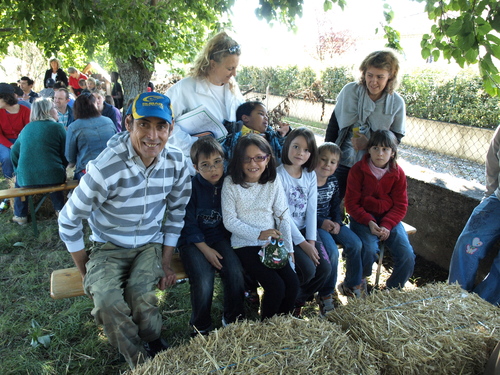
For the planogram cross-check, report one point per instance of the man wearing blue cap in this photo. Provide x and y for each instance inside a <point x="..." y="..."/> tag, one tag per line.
<point x="124" y="196"/>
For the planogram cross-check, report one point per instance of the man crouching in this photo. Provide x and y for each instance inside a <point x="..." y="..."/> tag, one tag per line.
<point x="124" y="196"/>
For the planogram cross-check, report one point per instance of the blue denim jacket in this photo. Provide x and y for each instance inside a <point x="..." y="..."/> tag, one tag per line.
<point x="86" y="138"/>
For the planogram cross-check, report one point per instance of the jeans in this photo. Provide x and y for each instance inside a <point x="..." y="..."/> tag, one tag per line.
<point x="311" y="277"/>
<point x="480" y="233"/>
<point x="201" y="281"/>
<point x="341" y="174"/>
<point x="352" y="252"/>
<point x="280" y="285"/>
<point x="7" y="168"/>
<point x="21" y="207"/>
<point x="399" y="247"/>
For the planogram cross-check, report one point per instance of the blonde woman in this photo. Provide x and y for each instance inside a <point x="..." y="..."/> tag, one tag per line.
<point x="211" y="83"/>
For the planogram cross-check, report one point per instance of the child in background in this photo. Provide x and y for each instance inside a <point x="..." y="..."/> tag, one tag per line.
<point x="299" y="182"/>
<point x="252" y="117"/>
<point x="204" y="244"/>
<point x="254" y="209"/>
<point x="376" y="201"/>
<point x="331" y="230"/>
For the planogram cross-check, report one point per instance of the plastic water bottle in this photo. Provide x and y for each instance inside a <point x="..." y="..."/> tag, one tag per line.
<point x="4" y="206"/>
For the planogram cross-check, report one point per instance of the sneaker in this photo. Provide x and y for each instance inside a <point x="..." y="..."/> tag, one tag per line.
<point x="326" y="304"/>
<point x="349" y="292"/>
<point x="20" y="220"/>
<point x="363" y="287"/>
<point x="4" y="206"/>
<point x="297" y="312"/>
<point x="252" y="296"/>
<point x="203" y="332"/>
<point x="156" y="346"/>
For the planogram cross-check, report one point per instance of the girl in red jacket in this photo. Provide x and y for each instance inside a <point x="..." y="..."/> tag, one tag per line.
<point x="376" y="201"/>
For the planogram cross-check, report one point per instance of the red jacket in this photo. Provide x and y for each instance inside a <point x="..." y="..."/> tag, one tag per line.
<point x="12" y="124"/>
<point x="384" y="201"/>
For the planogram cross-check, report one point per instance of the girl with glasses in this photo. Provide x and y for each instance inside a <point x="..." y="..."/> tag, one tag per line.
<point x="254" y="209"/>
<point x="299" y="182"/>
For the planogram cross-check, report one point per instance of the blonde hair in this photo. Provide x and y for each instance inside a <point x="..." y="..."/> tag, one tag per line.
<point x="216" y="49"/>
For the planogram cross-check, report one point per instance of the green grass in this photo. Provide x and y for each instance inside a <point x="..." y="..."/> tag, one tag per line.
<point x="77" y="344"/>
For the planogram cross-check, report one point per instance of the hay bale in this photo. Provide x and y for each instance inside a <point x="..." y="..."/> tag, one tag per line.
<point x="282" y="345"/>
<point x="436" y="329"/>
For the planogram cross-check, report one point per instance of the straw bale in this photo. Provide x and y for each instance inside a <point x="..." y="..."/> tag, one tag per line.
<point x="282" y="345"/>
<point x="435" y="329"/>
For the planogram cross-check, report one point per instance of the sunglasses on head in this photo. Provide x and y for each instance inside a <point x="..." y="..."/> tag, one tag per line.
<point x="232" y="50"/>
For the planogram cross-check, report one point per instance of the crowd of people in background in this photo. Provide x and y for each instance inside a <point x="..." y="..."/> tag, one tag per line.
<point x="262" y="206"/>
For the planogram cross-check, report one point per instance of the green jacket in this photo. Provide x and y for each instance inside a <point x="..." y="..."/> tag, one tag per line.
<point x="38" y="154"/>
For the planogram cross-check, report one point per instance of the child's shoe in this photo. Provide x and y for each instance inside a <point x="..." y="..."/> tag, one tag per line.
<point x="252" y="296"/>
<point x="326" y="304"/>
<point x="350" y="292"/>
<point x="297" y="311"/>
<point x="21" y="220"/>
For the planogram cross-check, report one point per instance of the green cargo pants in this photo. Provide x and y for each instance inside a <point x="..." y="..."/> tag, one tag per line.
<point x="122" y="284"/>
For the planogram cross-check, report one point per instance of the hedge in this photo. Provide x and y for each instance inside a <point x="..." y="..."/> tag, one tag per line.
<point x="428" y="94"/>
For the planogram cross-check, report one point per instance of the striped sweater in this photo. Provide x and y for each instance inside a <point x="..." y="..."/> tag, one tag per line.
<point x="125" y="202"/>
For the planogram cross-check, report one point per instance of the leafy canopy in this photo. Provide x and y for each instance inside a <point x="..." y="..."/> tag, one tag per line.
<point x="146" y="30"/>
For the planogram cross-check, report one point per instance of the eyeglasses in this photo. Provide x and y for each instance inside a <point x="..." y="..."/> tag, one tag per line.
<point x="257" y="159"/>
<point x="232" y="50"/>
<point x="207" y="167"/>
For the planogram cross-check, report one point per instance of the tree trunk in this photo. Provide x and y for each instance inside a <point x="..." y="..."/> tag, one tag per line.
<point x="135" y="77"/>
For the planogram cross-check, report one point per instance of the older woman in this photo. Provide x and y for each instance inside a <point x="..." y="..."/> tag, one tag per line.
<point x="211" y="83"/>
<point x="56" y="73"/>
<point x="87" y="135"/>
<point x="38" y="156"/>
<point x="365" y="106"/>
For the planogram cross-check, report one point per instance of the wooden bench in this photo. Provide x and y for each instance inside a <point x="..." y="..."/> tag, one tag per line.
<point x="29" y="192"/>
<point x="67" y="282"/>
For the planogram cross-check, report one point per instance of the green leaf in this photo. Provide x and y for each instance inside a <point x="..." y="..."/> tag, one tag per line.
<point x="454" y="27"/>
<point x="435" y="54"/>
<point x="327" y="5"/>
<point x="19" y="244"/>
<point x="426" y="52"/>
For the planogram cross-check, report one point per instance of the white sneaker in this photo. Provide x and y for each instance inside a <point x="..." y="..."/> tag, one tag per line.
<point x="21" y="220"/>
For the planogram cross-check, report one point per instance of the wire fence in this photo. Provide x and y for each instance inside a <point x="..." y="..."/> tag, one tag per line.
<point x="443" y="147"/>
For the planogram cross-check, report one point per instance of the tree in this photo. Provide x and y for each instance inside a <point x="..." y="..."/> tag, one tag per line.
<point x="138" y="32"/>
<point x="464" y="30"/>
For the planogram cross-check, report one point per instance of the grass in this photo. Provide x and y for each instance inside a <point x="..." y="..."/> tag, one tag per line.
<point x="77" y="345"/>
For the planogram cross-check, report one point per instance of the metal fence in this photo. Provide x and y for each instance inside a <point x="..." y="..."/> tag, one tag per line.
<point x="440" y="146"/>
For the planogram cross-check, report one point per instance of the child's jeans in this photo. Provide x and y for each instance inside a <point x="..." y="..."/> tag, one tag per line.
<point x="352" y="253"/>
<point x="399" y="246"/>
<point x="311" y="277"/>
<point x="201" y="280"/>
<point x="280" y="285"/>
<point x="481" y="232"/>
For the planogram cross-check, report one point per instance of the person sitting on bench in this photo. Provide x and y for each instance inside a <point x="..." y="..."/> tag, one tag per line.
<point x="38" y="156"/>
<point x="124" y="196"/>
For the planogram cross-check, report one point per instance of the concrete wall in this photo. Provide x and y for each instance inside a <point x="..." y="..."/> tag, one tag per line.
<point x="439" y="207"/>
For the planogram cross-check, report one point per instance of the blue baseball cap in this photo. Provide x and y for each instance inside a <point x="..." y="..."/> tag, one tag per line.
<point x="152" y="104"/>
